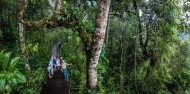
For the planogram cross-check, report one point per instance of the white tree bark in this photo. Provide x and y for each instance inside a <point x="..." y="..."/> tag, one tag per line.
<point x="98" y="40"/>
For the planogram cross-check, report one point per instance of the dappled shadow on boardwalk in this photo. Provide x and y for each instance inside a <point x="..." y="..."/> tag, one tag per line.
<point x="55" y="85"/>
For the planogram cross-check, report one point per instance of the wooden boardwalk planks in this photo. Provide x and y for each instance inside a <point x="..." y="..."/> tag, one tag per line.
<point x="56" y="84"/>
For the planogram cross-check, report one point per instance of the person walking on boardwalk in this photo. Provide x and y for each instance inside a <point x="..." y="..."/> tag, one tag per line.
<point x="53" y="58"/>
<point x="49" y="71"/>
<point x="64" y="70"/>
<point x="51" y="66"/>
<point x="61" y="60"/>
<point x="58" y="64"/>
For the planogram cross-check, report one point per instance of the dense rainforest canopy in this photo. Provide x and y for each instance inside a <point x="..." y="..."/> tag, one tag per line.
<point x="114" y="46"/>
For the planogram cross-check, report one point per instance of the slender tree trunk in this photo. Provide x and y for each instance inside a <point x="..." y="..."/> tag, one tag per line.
<point x="22" y="5"/>
<point x="97" y="43"/>
<point x="139" y="26"/>
<point x="121" y="53"/>
<point x="107" y="31"/>
<point x="135" y="59"/>
<point x="22" y="38"/>
<point x="135" y="5"/>
<point x="121" y="56"/>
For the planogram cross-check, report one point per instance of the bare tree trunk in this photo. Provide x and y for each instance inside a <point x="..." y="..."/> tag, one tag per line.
<point x="22" y="38"/>
<point x="107" y="31"/>
<point x="22" y="5"/>
<point x="97" y="43"/>
<point x="121" y="56"/>
<point x="135" y="5"/>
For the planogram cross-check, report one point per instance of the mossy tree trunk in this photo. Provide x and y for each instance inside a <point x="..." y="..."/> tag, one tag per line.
<point x="22" y="6"/>
<point x="97" y="42"/>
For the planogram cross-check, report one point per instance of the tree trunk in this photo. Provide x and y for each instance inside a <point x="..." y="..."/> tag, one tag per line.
<point x="142" y="44"/>
<point x="120" y="52"/>
<point x="22" y="5"/>
<point x="107" y="31"/>
<point x="97" y="43"/>
<point x="22" y="38"/>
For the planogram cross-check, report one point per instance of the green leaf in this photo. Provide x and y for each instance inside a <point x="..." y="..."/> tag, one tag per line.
<point x="14" y="61"/>
<point x="1" y="55"/>
<point x="2" y="84"/>
<point x="2" y="74"/>
<point x="59" y="17"/>
<point x="8" y="88"/>
<point x="1" y="58"/>
<point x="6" y="60"/>
<point x="11" y="79"/>
<point x="14" y="82"/>
<point x="20" y="77"/>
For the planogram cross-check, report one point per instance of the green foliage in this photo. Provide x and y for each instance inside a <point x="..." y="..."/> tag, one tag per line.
<point x="10" y="75"/>
<point x="38" y="54"/>
<point x="164" y="69"/>
<point x="34" y="85"/>
<point x="1" y="34"/>
<point x="77" y="17"/>
<point x="72" y="52"/>
<point x="89" y="91"/>
<point x="180" y="70"/>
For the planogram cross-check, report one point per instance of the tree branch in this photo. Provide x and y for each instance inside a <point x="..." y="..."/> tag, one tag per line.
<point x="37" y="23"/>
<point x="74" y="24"/>
<point x="22" y="7"/>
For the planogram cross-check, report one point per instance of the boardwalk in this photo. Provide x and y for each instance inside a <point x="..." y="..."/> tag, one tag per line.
<point x="56" y="85"/>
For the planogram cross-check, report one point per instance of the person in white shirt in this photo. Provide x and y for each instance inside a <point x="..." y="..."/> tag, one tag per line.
<point x="63" y="68"/>
<point x="58" y="63"/>
<point x="51" y="65"/>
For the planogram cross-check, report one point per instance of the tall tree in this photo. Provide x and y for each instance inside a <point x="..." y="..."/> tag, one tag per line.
<point x="97" y="43"/>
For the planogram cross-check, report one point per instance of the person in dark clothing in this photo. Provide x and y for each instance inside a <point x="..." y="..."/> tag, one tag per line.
<point x="61" y="62"/>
